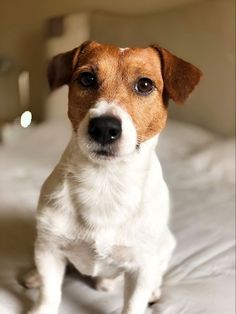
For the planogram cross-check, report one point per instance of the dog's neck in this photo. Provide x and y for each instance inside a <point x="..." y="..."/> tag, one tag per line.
<point x="122" y="179"/>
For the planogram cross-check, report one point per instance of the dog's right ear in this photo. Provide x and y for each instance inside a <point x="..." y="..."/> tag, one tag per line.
<point x="60" y="68"/>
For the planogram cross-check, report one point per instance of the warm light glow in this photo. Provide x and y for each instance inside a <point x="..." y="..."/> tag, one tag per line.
<point x="25" y="119"/>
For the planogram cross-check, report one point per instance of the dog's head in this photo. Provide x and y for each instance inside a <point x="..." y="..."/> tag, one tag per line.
<point x="118" y="97"/>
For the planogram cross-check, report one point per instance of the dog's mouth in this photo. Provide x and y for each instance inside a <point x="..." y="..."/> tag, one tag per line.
<point x="104" y="154"/>
<point x="108" y="152"/>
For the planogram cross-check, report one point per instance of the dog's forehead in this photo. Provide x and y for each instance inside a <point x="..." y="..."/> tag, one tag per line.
<point x="105" y="56"/>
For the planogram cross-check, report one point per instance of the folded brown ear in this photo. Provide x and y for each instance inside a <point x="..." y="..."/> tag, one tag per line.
<point x="60" y="69"/>
<point x="180" y="77"/>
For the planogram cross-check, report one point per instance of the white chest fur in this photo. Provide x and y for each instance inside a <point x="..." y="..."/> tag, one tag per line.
<point x="105" y="194"/>
<point x="102" y="215"/>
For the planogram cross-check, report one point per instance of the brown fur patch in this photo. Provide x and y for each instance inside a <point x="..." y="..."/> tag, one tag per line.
<point x="117" y="72"/>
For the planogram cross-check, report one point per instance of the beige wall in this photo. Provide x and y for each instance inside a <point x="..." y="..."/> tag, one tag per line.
<point x="201" y="32"/>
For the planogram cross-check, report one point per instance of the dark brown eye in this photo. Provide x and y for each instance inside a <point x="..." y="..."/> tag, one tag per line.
<point x="144" y="86"/>
<point x="87" y="79"/>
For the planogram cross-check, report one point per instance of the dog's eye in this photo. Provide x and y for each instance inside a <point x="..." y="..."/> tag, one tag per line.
<point x="144" y="86"/>
<point x="87" y="79"/>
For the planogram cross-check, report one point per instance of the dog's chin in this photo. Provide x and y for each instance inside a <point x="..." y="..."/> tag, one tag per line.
<point x="107" y="153"/>
<point x="100" y="154"/>
<point x="103" y="156"/>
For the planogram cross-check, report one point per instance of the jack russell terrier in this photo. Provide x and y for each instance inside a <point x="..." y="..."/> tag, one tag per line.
<point x="105" y="206"/>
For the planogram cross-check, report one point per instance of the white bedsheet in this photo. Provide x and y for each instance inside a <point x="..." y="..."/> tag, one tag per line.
<point x="199" y="169"/>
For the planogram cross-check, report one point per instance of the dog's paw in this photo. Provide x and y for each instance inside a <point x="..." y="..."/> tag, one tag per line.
<point x="156" y="294"/>
<point x="43" y="309"/>
<point x="31" y="279"/>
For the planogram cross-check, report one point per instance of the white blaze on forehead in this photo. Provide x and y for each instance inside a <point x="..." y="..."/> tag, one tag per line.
<point x="123" y="49"/>
<point x="102" y="107"/>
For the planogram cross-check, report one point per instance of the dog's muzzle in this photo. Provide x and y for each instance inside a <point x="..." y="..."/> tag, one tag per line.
<point x="105" y="129"/>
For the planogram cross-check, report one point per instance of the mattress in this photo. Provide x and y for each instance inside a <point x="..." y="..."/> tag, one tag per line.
<point x="199" y="168"/>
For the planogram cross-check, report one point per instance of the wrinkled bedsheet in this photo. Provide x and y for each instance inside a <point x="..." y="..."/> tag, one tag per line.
<point x="200" y="170"/>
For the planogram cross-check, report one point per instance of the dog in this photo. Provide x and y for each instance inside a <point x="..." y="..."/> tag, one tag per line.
<point x="105" y="206"/>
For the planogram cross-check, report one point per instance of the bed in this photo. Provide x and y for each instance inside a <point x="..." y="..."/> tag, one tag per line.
<point x="199" y="169"/>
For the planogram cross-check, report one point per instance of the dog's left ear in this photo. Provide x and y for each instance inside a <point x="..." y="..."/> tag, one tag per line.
<point x="180" y="77"/>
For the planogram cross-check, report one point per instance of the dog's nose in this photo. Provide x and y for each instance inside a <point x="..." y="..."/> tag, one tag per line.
<point x="105" y="129"/>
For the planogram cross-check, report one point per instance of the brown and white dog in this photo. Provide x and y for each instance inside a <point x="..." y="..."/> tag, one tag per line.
<point x="105" y="206"/>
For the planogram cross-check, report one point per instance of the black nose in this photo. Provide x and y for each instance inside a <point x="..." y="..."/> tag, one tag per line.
<point x="105" y="129"/>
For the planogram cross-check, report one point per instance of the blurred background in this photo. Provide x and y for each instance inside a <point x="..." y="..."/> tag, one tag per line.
<point x="200" y="31"/>
<point x="196" y="150"/>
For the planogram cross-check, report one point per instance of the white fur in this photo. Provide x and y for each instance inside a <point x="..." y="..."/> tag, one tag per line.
<point x="105" y="216"/>
<point x="123" y="49"/>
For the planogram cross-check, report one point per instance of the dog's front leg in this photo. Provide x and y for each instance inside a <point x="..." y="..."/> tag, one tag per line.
<point x="139" y="286"/>
<point x="51" y="268"/>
